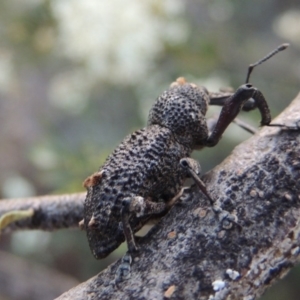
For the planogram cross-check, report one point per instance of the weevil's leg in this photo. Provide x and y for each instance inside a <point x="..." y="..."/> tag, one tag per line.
<point x="263" y="107"/>
<point x="245" y="126"/>
<point x="126" y="212"/>
<point x="193" y="168"/>
<point x="211" y="123"/>
<point x="220" y="98"/>
<point x="265" y="112"/>
<point x="140" y="207"/>
<point x="266" y="119"/>
<point x="241" y="100"/>
<point x="231" y="108"/>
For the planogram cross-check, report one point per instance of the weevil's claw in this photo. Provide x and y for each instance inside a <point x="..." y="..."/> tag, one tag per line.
<point x="295" y="127"/>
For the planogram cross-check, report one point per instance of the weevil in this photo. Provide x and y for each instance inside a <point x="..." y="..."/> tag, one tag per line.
<point x="144" y="175"/>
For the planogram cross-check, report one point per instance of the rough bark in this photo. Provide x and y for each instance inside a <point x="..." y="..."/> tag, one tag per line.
<point x="194" y="254"/>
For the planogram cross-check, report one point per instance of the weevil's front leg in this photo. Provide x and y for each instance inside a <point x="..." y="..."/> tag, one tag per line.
<point x="243" y="97"/>
<point x="266" y="119"/>
<point x="219" y="99"/>
<point x="232" y="106"/>
<point x="211" y="124"/>
<point x="140" y="207"/>
<point x="193" y="168"/>
<point x="262" y="105"/>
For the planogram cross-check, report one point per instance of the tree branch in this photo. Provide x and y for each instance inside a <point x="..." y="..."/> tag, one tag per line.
<point x="49" y="212"/>
<point x="194" y="254"/>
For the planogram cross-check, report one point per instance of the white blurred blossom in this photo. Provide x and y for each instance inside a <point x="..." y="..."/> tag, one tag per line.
<point x="44" y="157"/>
<point x="117" y="41"/>
<point x="25" y="243"/>
<point x="220" y="11"/>
<point x="68" y="91"/>
<point x="15" y="186"/>
<point x="287" y="26"/>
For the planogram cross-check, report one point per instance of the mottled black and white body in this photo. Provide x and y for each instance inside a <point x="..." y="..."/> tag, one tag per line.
<point x="146" y="169"/>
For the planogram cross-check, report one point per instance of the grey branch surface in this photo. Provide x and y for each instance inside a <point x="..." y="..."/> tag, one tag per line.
<point x="50" y="212"/>
<point x="194" y="254"/>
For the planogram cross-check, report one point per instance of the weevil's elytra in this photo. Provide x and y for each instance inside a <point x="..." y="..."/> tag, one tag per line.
<point x="146" y="165"/>
<point x="144" y="175"/>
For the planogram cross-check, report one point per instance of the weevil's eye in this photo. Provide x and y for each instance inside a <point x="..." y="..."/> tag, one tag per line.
<point x="248" y="85"/>
<point x="184" y="163"/>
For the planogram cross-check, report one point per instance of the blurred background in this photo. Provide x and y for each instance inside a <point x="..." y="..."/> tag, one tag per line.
<point x="77" y="76"/>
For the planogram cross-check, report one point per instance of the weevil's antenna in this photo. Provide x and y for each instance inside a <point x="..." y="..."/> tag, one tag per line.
<point x="272" y="53"/>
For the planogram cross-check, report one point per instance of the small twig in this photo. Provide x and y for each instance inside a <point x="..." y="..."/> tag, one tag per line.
<point x="50" y="212"/>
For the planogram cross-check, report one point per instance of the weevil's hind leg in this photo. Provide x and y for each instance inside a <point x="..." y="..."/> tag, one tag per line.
<point x="193" y="168"/>
<point x="266" y="119"/>
<point x="244" y="125"/>
<point x="220" y="98"/>
<point x="140" y="207"/>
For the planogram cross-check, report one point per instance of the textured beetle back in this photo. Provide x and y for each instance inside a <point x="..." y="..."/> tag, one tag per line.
<point x="182" y="109"/>
<point x="145" y="164"/>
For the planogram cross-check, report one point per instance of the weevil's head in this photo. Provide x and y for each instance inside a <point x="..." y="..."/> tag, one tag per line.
<point x="182" y="109"/>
